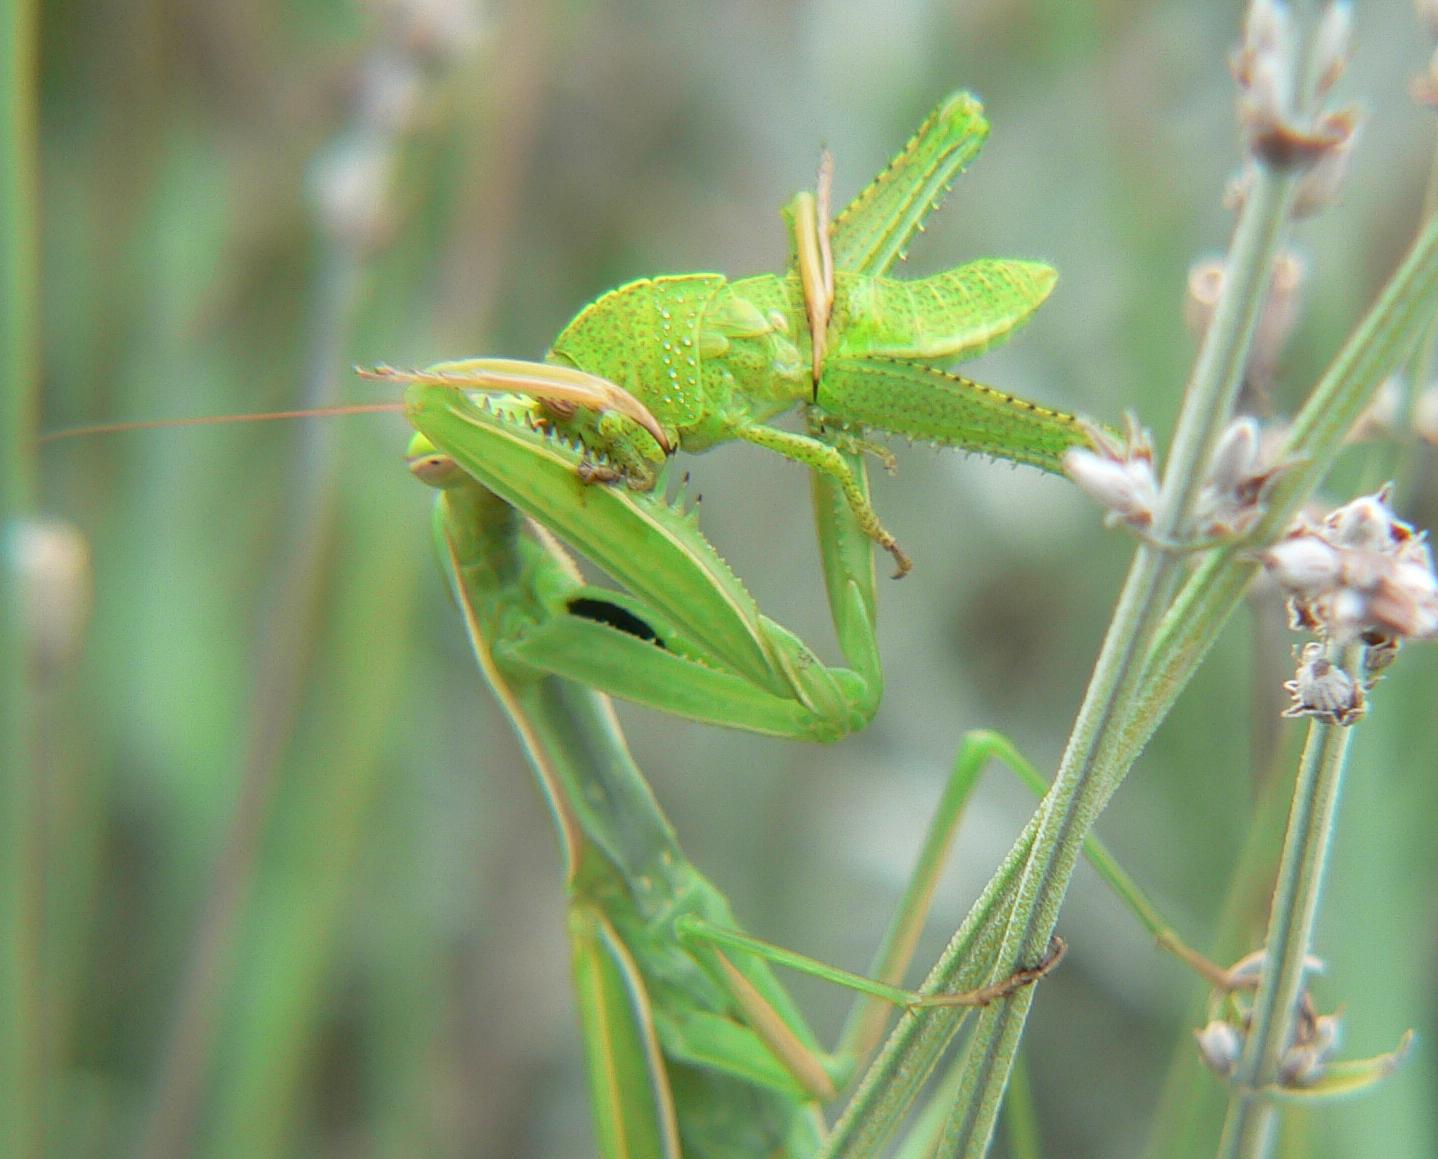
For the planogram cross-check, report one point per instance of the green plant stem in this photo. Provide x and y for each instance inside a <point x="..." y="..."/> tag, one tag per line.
<point x="1097" y="756"/>
<point x="21" y="1037"/>
<point x="1248" y="1131"/>
<point x="281" y="666"/>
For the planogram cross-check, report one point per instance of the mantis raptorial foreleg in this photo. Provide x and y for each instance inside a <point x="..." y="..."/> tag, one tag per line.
<point x="691" y="640"/>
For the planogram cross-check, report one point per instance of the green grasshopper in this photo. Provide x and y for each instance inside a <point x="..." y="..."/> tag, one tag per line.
<point x="693" y="360"/>
<point x="683" y="362"/>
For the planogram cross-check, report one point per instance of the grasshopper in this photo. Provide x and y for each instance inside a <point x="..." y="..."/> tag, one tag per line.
<point x="689" y="361"/>
<point x="685" y="362"/>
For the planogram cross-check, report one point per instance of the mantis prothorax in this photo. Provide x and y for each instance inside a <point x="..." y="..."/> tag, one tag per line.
<point x="686" y="362"/>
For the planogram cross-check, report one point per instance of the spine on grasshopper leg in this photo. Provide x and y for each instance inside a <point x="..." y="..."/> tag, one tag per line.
<point x="873" y="230"/>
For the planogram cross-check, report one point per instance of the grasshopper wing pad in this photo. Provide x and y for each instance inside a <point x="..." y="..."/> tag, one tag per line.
<point x="644" y="337"/>
<point x="877" y="226"/>
<point x="923" y="402"/>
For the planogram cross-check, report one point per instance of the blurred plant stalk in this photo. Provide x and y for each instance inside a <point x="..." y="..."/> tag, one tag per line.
<point x="353" y="183"/>
<point x="22" y="1061"/>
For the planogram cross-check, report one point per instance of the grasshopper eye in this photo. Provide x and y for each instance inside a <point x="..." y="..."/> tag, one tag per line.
<point x="603" y="612"/>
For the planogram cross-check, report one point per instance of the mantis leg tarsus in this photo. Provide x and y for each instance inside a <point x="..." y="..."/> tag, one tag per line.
<point x="590" y="472"/>
<point x="997" y="991"/>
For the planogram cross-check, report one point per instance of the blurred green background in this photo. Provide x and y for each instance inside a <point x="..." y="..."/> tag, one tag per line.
<point x="301" y="897"/>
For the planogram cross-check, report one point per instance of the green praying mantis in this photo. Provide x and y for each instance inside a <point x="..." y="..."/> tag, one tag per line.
<point x="691" y="1045"/>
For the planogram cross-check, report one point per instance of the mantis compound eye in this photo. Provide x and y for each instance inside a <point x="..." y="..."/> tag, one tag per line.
<point x="603" y="612"/>
<point x="436" y="469"/>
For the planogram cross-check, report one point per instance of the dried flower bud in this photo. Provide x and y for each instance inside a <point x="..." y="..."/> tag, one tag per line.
<point x="1380" y="653"/>
<point x="1366" y="524"/>
<point x="1283" y="144"/>
<point x="1318" y="188"/>
<point x="1127" y="490"/>
<point x="1205" y="287"/>
<point x="1117" y="474"/>
<point x="1332" y="44"/>
<point x="1323" y="690"/>
<point x="1220" y="1046"/>
<point x="1404" y="602"/>
<point x="1303" y="564"/>
<point x="1267" y="31"/>
<point x="49" y="564"/>
<point x="1265" y="96"/>
<point x="1304" y="1062"/>
<point x="1236" y="456"/>
<point x="1232" y="496"/>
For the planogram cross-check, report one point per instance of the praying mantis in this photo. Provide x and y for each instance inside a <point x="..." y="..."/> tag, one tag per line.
<point x="690" y="1043"/>
<point x="692" y="1047"/>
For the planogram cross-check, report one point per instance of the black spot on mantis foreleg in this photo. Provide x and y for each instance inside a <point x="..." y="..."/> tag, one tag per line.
<point x="603" y="612"/>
